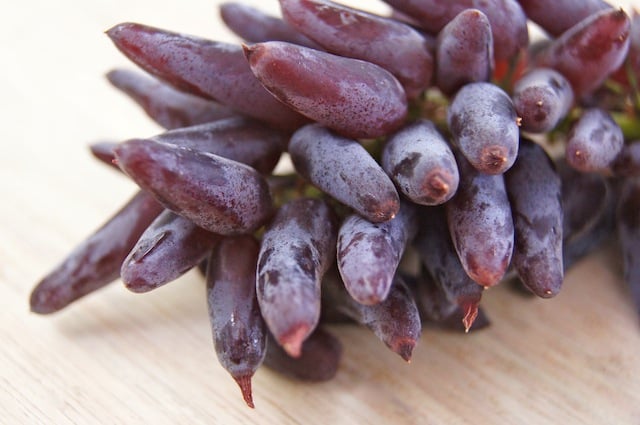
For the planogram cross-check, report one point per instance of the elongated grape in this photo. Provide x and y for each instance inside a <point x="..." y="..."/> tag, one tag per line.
<point x="355" y="98"/>
<point x="217" y="194"/>
<point x="255" y="26"/>
<point x="318" y="361"/>
<point x="167" y="106"/>
<point x="628" y="219"/>
<point x="542" y="97"/>
<point x="105" y="152"/>
<point x="464" y="51"/>
<point x="629" y="71"/>
<point x="353" y="33"/>
<point x="368" y="253"/>
<point x="439" y="257"/>
<point x="171" y="246"/>
<point x="557" y="16"/>
<point x="627" y="163"/>
<point x="481" y="224"/>
<point x="508" y="21"/>
<point x="239" y="332"/>
<point x="535" y="194"/>
<point x="420" y="162"/>
<point x="395" y="321"/>
<point x="342" y="168"/>
<point x="594" y="141"/>
<point x="590" y="50"/>
<point x="210" y="69"/>
<point x="238" y="138"/>
<point x="297" y="248"/>
<point x="483" y="124"/>
<point x="96" y="261"/>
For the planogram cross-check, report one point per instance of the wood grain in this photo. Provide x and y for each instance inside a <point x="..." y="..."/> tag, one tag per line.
<point x="121" y="358"/>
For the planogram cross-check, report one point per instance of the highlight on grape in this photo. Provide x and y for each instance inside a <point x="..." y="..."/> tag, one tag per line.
<point x="423" y="135"/>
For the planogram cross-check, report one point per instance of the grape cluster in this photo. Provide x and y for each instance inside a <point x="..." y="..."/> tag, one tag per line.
<point x="436" y="153"/>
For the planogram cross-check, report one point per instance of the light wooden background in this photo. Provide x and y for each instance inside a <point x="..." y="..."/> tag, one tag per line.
<point x="120" y="358"/>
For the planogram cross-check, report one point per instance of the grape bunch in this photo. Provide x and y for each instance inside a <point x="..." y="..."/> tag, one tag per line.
<point x="436" y="152"/>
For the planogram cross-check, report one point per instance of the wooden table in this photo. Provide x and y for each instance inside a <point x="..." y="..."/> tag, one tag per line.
<point x="120" y="358"/>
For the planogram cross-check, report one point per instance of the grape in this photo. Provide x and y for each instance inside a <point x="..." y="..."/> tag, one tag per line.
<point x="395" y="321"/>
<point x="483" y="124"/>
<point x="533" y="186"/>
<point x="167" y="106"/>
<point x="557" y="16"/>
<point x="217" y="194"/>
<point x="420" y="162"/>
<point x="297" y="248"/>
<point x="589" y="51"/>
<point x="255" y="26"/>
<point x="96" y="261"/>
<point x="542" y="97"/>
<point x="213" y="70"/>
<point x="464" y="51"/>
<point x="628" y="219"/>
<point x="627" y="163"/>
<point x="356" y="34"/>
<point x="439" y="257"/>
<point x="594" y="142"/>
<point x="352" y="176"/>
<point x="481" y="225"/>
<point x="318" y="361"/>
<point x="368" y="253"/>
<point x="168" y="248"/>
<point x="628" y="72"/>
<point x="238" y="138"/>
<point x="355" y="98"/>
<point x="508" y="21"/>
<point x="239" y="332"/>
<point x="105" y="152"/>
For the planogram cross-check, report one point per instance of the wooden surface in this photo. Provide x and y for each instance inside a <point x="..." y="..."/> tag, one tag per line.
<point x="120" y="358"/>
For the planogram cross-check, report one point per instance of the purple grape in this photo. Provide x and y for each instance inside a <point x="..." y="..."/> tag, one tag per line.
<point x="168" y="248"/>
<point x="217" y="194"/>
<point x="420" y="162"/>
<point x="628" y="219"/>
<point x="297" y="248"/>
<point x="557" y="16"/>
<point x="627" y="163"/>
<point x="353" y="33"/>
<point x="342" y="168"/>
<point x="483" y="124"/>
<point x="352" y="97"/>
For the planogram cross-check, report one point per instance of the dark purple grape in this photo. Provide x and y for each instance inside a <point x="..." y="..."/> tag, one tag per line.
<point x="534" y="190"/>
<point x="440" y="259"/>
<point x="318" y="361"/>
<point x="353" y="33"/>
<point x="481" y="224"/>
<point x="355" y="98"/>
<point x="171" y="246"/>
<point x="483" y="124"/>
<point x="342" y="168"/>
<point x="96" y="261"/>
<point x="240" y="139"/>
<point x="628" y="219"/>
<point x="210" y="69"/>
<point x="557" y="16"/>
<point x="368" y="254"/>
<point x="508" y="21"/>
<point x="464" y="51"/>
<point x="239" y="332"/>
<point x="255" y="26"/>
<point x="217" y="194"/>
<point x="590" y="50"/>
<point x="594" y="142"/>
<point x="420" y="162"/>
<point x="627" y="163"/>
<point x="167" y="106"/>
<point x="542" y="97"/>
<point x="395" y="321"/>
<point x="297" y="248"/>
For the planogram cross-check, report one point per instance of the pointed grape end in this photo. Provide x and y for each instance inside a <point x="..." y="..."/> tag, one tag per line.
<point x="244" y="382"/>
<point x="404" y="348"/>
<point x="292" y="341"/>
<point x="42" y="301"/>
<point x="470" y="313"/>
